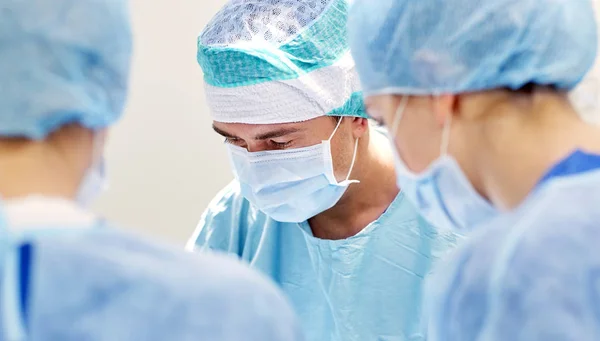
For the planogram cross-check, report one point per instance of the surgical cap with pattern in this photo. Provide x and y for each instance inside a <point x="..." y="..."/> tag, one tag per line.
<point x="279" y="61"/>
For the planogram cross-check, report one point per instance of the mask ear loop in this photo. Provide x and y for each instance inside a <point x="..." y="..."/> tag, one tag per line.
<point x="98" y="159"/>
<point x="336" y="128"/>
<point x="446" y="135"/>
<point x="352" y="163"/>
<point x="398" y="116"/>
<point x="353" y="155"/>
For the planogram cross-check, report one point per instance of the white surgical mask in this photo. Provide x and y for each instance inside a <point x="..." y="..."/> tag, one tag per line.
<point x="442" y="193"/>
<point x="290" y="185"/>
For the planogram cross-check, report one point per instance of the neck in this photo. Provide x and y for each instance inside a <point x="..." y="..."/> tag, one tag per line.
<point x="363" y="202"/>
<point x="32" y="169"/>
<point x="516" y="149"/>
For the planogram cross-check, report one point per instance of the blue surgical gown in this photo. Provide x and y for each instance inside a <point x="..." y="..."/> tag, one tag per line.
<point x="105" y="285"/>
<point x="532" y="274"/>
<point x="366" y="287"/>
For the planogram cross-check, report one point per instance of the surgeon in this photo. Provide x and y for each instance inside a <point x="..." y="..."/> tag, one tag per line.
<point x="314" y="203"/>
<point x="475" y="94"/>
<point x="65" y="273"/>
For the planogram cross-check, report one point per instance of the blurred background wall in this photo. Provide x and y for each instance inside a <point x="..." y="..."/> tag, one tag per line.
<point x="164" y="162"/>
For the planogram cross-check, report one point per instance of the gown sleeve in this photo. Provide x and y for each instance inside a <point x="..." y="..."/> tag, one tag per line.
<point x="224" y="223"/>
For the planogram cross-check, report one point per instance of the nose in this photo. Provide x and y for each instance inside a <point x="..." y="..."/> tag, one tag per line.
<point x="255" y="146"/>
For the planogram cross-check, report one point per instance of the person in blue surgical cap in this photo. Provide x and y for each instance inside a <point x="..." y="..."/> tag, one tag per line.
<point x="314" y="203"/>
<point x="66" y="274"/>
<point x="476" y="94"/>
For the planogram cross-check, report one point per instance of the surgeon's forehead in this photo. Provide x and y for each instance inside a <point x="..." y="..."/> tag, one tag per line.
<point x="259" y="131"/>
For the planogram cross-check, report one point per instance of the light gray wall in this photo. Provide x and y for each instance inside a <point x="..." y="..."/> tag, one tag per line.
<point x="587" y="95"/>
<point x="164" y="162"/>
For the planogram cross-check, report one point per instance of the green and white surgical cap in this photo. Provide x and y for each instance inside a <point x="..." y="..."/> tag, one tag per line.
<point x="279" y="61"/>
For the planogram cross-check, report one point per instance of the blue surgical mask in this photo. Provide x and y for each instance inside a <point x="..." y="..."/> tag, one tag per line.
<point x="442" y="193"/>
<point x="93" y="184"/>
<point x="290" y="185"/>
<point x="94" y="180"/>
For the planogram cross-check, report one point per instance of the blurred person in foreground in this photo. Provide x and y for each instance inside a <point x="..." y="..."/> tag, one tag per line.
<point x="65" y="273"/>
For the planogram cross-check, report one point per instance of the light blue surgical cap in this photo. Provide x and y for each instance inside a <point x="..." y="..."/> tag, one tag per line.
<point x="439" y="46"/>
<point x="279" y="61"/>
<point x="61" y="62"/>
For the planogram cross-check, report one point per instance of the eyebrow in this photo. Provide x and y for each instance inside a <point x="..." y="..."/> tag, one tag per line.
<point x="222" y="132"/>
<point x="276" y="133"/>
<point x="268" y="135"/>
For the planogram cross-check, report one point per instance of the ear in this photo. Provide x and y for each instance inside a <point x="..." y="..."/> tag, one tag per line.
<point x="444" y="105"/>
<point x="360" y="126"/>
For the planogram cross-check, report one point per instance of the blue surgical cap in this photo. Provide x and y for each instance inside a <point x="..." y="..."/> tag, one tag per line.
<point x="279" y="61"/>
<point x="61" y="62"/>
<point x="421" y="47"/>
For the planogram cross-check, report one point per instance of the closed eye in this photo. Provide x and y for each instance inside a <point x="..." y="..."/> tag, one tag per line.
<point x="234" y="141"/>
<point x="280" y="145"/>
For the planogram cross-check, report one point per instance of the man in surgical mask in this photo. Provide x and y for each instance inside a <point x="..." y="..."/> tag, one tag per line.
<point x="66" y="274"/>
<point x="314" y="203"/>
